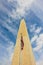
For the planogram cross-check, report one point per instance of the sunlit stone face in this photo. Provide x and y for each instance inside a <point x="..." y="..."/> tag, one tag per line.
<point x="25" y="56"/>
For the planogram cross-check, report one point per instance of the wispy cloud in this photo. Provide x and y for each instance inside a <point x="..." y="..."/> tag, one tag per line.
<point x="38" y="9"/>
<point x="38" y="30"/>
<point x="6" y="57"/>
<point x="35" y="29"/>
<point x="40" y="61"/>
<point x="38" y="48"/>
<point x="23" y="5"/>
<point x="38" y="39"/>
<point x="39" y="42"/>
<point x="34" y="38"/>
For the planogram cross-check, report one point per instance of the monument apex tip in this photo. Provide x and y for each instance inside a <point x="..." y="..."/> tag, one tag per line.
<point x="22" y="21"/>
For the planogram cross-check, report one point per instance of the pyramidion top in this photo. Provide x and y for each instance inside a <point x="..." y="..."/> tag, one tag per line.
<point x="22" y="29"/>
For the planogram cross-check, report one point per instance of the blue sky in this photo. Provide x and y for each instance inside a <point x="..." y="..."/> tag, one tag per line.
<point x="11" y="12"/>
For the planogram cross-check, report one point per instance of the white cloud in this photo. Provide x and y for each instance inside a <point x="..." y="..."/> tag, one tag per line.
<point x="38" y="30"/>
<point x="39" y="42"/>
<point x="10" y="0"/>
<point x="33" y="27"/>
<point x="10" y="28"/>
<point x="23" y="5"/>
<point x="34" y="38"/>
<point x="10" y="49"/>
<point x="6" y="59"/>
<point x="39" y="47"/>
<point x="37" y="8"/>
<point x="4" y="8"/>
<point x="40" y="61"/>
<point x="38" y="38"/>
<point x="7" y="40"/>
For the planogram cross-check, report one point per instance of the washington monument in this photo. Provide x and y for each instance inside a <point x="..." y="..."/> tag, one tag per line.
<point x="23" y="54"/>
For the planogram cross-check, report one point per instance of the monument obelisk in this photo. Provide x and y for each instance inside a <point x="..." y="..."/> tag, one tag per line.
<point x="23" y="54"/>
